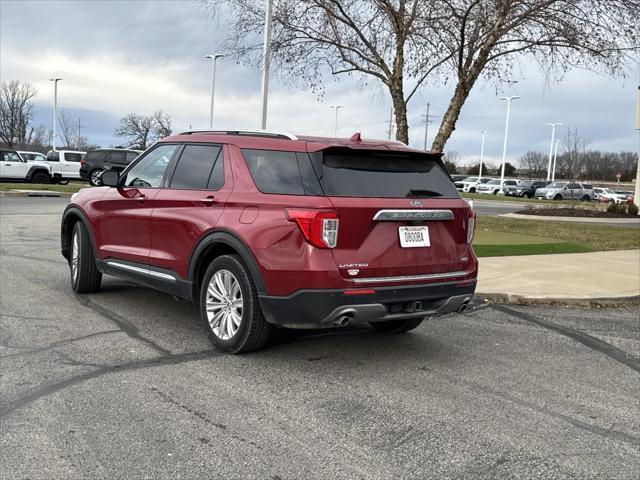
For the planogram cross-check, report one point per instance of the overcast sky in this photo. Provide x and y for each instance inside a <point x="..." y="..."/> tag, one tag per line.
<point x="118" y="57"/>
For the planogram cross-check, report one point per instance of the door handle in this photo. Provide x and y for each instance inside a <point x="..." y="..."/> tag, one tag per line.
<point x="208" y="201"/>
<point x="141" y="199"/>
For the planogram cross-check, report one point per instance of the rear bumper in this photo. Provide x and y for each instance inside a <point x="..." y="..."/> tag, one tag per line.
<point x="318" y="308"/>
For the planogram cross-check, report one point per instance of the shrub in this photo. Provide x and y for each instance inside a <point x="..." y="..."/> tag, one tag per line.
<point x="617" y="208"/>
<point x="633" y="209"/>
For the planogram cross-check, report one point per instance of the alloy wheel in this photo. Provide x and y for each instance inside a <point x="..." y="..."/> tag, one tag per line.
<point x="224" y="304"/>
<point x="75" y="256"/>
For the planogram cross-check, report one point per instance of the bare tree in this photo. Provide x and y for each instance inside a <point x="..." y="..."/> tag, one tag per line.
<point x="16" y="112"/>
<point x="535" y="163"/>
<point x="450" y="160"/>
<point x="68" y="129"/>
<point x="141" y="131"/>
<point x="406" y="43"/>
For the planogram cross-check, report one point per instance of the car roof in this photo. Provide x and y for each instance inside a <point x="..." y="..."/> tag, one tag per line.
<point x="266" y="140"/>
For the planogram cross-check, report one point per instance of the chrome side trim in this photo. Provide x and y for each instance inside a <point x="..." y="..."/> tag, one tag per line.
<point x="143" y="271"/>
<point x="410" y="278"/>
<point x="400" y="215"/>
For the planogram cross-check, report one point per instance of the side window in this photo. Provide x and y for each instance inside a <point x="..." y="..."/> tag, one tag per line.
<point x="72" y="157"/>
<point x="53" y="156"/>
<point x="587" y="186"/>
<point x="274" y="171"/>
<point x="118" y="157"/>
<point x="11" y="157"/>
<point x="196" y="168"/>
<point x="131" y="156"/>
<point x="149" y="171"/>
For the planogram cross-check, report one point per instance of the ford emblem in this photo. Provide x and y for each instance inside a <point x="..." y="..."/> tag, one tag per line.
<point x="416" y="203"/>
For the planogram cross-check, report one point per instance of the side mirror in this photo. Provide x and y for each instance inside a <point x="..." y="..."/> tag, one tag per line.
<point x="110" y="178"/>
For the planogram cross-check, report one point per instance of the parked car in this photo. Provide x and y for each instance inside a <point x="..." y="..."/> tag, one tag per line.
<point x="263" y="228"/>
<point x="566" y="191"/>
<point x="524" y="188"/>
<point x="469" y="184"/>
<point x="102" y="159"/>
<point x="608" y="196"/>
<point x="458" y="178"/>
<point x="14" y="168"/>
<point x="65" y="164"/>
<point x="492" y="187"/>
<point x="33" y="156"/>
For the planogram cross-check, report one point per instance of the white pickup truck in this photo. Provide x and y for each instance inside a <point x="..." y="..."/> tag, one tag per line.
<point x="65" y="164"/>
<point x="14" y="168"/>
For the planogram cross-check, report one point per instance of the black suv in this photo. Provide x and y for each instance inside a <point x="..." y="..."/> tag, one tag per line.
<point x="96" y="162"/>
<point x="525" y="188"/>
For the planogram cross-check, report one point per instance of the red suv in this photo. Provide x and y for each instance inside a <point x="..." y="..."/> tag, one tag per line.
<point x="264" y="228"/>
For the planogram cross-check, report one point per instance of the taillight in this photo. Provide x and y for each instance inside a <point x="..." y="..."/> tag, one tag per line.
<point x="319" y="227"/>
<point x="471" y="227"/>
<point x="82" y="163"/>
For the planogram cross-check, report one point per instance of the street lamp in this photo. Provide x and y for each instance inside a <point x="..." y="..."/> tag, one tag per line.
<point x="506" y="133"/>
<point x="266" y="54"/>
<point x="55" y="110"/>
<point x="335" y="124"/>
<point x="484" y="134"/>
<point x="214" y="57"/>
<point x="553" y="136"/>
<point x="555" y="156"/>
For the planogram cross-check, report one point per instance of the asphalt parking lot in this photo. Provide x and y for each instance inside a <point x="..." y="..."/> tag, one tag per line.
<point x="124" y="384"/>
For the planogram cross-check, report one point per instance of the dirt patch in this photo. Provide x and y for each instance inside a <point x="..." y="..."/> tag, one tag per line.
<point x="572" y="212"/>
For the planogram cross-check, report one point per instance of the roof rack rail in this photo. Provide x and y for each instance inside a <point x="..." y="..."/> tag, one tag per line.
<point x="247" y="132"/>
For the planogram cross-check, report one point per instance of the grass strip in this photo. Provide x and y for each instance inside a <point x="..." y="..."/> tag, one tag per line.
<point x="71" y="187"/>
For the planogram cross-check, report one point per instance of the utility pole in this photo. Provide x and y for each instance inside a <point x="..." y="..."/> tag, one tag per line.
<point x="555" y="156"/>
<point x="390" y="123"/>
<point x="427" y="121"/>
<point x="506" y="134"/>
<point x="79" y="133"/>
<point x="553" y="136"/>
<point x="484" y="134"/>
<point x="55" y="81"/>
<point x="266" y="55"/>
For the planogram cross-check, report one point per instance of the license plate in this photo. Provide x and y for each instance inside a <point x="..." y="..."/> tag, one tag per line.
<point x="414" y="237"/>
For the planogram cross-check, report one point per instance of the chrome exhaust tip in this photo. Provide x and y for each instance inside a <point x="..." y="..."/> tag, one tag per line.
<point x="342" y="321"/>
<point x="465" y="305"/>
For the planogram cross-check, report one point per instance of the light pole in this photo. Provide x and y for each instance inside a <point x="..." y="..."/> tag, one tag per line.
<point x="506" y="134"/>
<point x="214" y="57"/>
<point x="55" y="110"/>
<point x="553" y="136"/>
<point x="484" y="134"/>
<point x="266" y="54"/>
<point x="335" y="124"/>
<point x="555" y="156"/>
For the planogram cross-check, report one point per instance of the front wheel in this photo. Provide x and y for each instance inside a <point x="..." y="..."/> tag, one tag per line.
<point x="85" y="276"/>
<point x="586" y="198"/>
<point x="558" y="197"/>
<point x="526" y="195"/>
<point x="229" y="307"/>
<point x="396" y="326"/>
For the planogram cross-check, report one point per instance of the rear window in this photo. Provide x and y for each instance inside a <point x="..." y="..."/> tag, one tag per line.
<point x="94" y="156"/>
<point x="382" y="174"/>
<point x="275" y="171"/>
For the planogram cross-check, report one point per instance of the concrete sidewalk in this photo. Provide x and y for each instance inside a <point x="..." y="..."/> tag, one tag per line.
<point x="614" y="274"/>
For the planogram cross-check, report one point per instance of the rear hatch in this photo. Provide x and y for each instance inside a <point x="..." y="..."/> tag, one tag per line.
<point x="400" y="215"/>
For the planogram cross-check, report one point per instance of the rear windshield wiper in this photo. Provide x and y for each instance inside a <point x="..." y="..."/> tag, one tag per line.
<point x="423" y="193"/>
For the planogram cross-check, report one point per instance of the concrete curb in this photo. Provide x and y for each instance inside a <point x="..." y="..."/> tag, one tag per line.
<point x="613" y="221"/>
<point x="632" y="301"/>
<point x="36" y="193"/>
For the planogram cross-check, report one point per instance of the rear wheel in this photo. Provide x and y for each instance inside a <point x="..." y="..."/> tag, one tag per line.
<point x="229" y="307"/>
<point x="397" y="326"/>
<point x="558" y="197"/>
<point x="526" y="195"/>
<point x="41" y="178"/>
<point x="85" y="276"/>
<point x="586" y="198"/>
<point x="472" y="190"/>
<point x="95" y="177"/>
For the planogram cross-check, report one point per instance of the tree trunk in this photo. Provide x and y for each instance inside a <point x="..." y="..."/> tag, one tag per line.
<point x="450" y="118"/>
<point x="400" y="111"/>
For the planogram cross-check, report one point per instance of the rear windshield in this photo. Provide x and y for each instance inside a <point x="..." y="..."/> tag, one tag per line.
<point x="373" y="174"/>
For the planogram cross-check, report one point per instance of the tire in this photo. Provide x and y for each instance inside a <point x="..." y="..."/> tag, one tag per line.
<point x="526" y="195"/>
<point x="472" y="190"/>
<point x="41" y="178"/>
<point x="397" y="326"/>
<point x="586" y="198"/>
<point x="558" y="197"/>
<point x="94" y="177"/>
<point x="234" y="322"/>
<point x="85" y="277"/>
<point x="495" y="192"/>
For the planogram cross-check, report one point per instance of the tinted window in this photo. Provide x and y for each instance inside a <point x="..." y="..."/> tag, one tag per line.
<point x="195" y="167"/>
<point x="131" y="156"/>
<point x="118" y="157"/>
<point x="539" y="184"/>
<point x="72" y="157"/>
<point x="149" y="171"/>
<point x="587" y="186"/>
<point x="94" y="156"/>
<point x="275" y="172"/>
<point x="53" y="156"/>
<point x="382" y="174"/>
